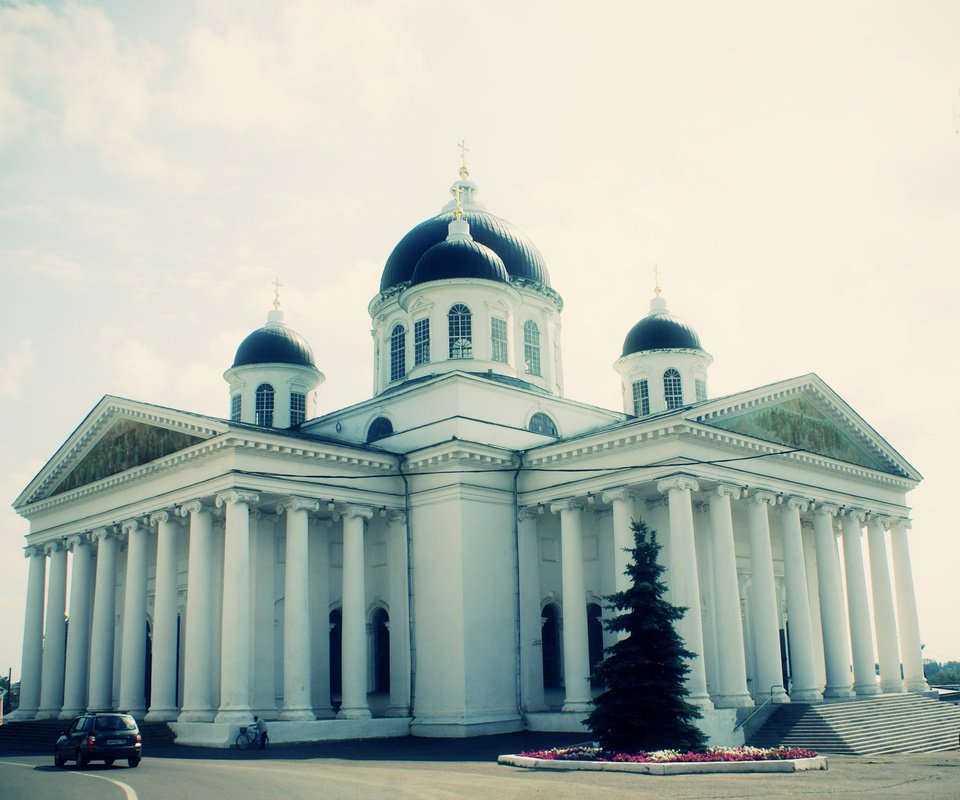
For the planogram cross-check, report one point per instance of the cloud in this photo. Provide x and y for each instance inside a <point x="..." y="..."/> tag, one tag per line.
<point x="13" y="365"/>
<point x="136" y="370"/>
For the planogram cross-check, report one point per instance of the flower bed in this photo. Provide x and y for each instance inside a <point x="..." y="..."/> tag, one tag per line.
<point x="711" y="755"/>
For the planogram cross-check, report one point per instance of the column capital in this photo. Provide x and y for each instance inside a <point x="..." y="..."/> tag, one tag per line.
<point x="191" y="507"/>
<point x="397" y="517"/>
<point x="528" y="512"/>
<point x="567" y="504"/>
<point x="294" y="503"/>
<point x="828" y="509"/>
<point x="621" y="493"/>
<point x="128" y="526"/>
<point x="159" y="517"/>
<point x="763" y="496"/>
<point x="32" y="550"/>
<point x="798" y="504"/>
<point x="53" y="547"/>
<point x="100" y="534"/>
<point x="855" y="514"/>
<point x="363" y="512"/>
<point x="77" y="539"/>
<point x="900" y="524"/>
<point x="237" y="496"/>
<point x="883" y="521"/>
<point x="730" y="490"/>
<point x="687" y="482"/>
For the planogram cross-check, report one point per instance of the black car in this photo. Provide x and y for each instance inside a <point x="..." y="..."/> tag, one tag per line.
<point x="105" y="736"/>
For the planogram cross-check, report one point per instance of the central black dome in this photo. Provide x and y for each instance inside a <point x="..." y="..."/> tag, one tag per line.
<point x="459" y="258"/>
<point x="660" y="332"/>
<point x="274" y="344"/>
<point x="519" y="255"/>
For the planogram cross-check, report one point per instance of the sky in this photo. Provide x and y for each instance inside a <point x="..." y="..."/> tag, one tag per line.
<point x="792" y="169"/>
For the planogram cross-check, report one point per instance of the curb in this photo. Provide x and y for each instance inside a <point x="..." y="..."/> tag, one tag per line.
<point x="674" y="768"/>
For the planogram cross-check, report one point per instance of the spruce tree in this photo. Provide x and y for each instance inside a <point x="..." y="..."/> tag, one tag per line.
<point x="643" y="706"/>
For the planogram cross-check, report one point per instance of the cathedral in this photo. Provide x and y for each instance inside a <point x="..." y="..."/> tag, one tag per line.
<point x="434" y="560"/>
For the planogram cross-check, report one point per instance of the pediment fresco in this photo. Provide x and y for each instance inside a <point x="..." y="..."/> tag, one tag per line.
<point x="125" y="444"/>
<point x="798" y="422"/>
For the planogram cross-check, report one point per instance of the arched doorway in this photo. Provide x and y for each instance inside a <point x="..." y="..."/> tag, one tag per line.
<point x="381" y="650"/>
<point x="336" y="659"/>
<point x="550" y="637"/>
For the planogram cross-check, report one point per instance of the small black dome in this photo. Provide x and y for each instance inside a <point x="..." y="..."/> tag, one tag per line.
<point x="274" y="344"/>
<point x="660" y="332"/>
<point x="520" y="257"/>
<point x="459" y="258"/>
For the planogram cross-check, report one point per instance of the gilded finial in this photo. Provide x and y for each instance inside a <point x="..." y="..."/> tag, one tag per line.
<point x="464" y="172"/>
<point x="458" y="209"/>
<point x="656" y="281"/>
<point x="276" y="293"/>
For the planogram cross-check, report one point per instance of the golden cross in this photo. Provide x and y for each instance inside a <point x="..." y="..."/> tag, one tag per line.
<point x="463" y="158"/>
<point x="458" y="192"/>
<point x="656" y="280"/>
<point x="276" y="293"/>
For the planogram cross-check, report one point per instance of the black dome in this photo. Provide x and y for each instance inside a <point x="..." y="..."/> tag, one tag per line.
<point x="520" y="256"/>
<point x="274" y="344"/>
<point x="459" y="258"/>
<point x="660" y="332"/>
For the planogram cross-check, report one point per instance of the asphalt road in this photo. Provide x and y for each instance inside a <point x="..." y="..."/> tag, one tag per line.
<point x="426" y="769"/>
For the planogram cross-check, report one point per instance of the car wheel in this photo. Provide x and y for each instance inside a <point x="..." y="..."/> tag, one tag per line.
<point x="133" y="762"/>
<point x="58" y="759"/>
<point x="82" y="760"/>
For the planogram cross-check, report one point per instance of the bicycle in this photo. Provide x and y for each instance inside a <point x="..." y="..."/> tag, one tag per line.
<point x="247" y="739"/>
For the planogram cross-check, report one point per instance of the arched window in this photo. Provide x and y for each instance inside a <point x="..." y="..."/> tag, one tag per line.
<point x="541" y="423"/>
<point x="460" y="328"/>
<point x="298" y="408"/>
<point x="379" y="428"/>
<point x="672" y="389"/>
<point x="381" y="650"/>
<point x="264" y="405"/>
<point x="550" y="639"/>
<point x="398" y="353"/>
<point x="531" y="347"/>
<point x="594" y="637"/>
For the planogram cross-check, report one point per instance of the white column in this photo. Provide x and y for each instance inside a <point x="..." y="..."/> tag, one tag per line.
<point x="133" y="649"/>
<point x="78" y="632"/>
<point x="54" y="634"/>
<point x="622" y="502"/>
<point x="836" y="641"/>
<point x="104" y="622"/>
<point x="732" y="685"/>
<point x="813" y="597"/>
<point x="684" y="580"/>
<point x="320" y="614"/>
<point x="163" y="674"/>
<point x="911" y="653"/>
<point x="861" y="636"/>
<point x="354" y="618"/>
<point x="235" y="689"/>
<point x="576" y="654"/>
<point x="197" y="692"/>
<point x="884" y="618"/>
<point x="397" y="559"/>
<point x="296" y="611"/>
<point x="32" y="656"/>
<point x="798" y="605"/>
<point x="531" y="647"/>
<point x="766" y="626"/>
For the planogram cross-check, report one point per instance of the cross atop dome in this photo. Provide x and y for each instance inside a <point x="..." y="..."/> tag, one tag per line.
<point x="463" y="190"/>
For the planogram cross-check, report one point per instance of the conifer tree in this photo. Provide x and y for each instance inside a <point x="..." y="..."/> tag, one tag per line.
<point x="643" y="706"/>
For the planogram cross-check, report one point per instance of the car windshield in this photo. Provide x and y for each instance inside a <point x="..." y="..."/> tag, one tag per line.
<point x="119" y="723"/>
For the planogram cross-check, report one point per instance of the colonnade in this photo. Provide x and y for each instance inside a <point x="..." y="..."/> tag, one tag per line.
<point x="829" y="619"/>
<point x="65" y="672"/>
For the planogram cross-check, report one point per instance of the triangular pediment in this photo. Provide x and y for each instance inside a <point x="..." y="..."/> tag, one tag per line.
<point x="116" y="437"/>
<point x="807" y="415"/>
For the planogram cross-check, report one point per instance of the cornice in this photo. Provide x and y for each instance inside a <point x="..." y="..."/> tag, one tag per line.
<point x="459" y="452"/>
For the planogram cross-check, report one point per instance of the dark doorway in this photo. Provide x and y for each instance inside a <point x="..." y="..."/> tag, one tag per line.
<point x="336" y="651"/>
<point x="550" y="637"/>
<point x="381" y="651"/>
<point x="594" y="637"/>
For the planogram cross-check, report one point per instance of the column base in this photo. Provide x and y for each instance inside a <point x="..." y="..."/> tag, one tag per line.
<point x="702" y="701"/>
<point x="397" y="711"/>
<point x="916" y="685"/>
<point x="69" y="713"/>
<point x="866" y="691"/>
<point x="360" y="712"/>
<point x="838" y="693"/>
<point x="297" y="714"/>
<point x="48" y="713"/>
<point x="891" y="687"/>
<point x="806" y="696"/>
<point x="733" y="701"/>
<point x="196" y="715"/>
<point x="161" y="715"/>
<point x="231" y="716"/>
<point x="576" y="707"/>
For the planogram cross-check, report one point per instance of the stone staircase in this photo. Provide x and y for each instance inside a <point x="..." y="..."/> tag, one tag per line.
<point x="41" y="734"/>
<point x="893" y="723"/>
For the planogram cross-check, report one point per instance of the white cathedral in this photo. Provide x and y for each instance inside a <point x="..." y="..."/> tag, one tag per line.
<point x="434" y="560"/>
